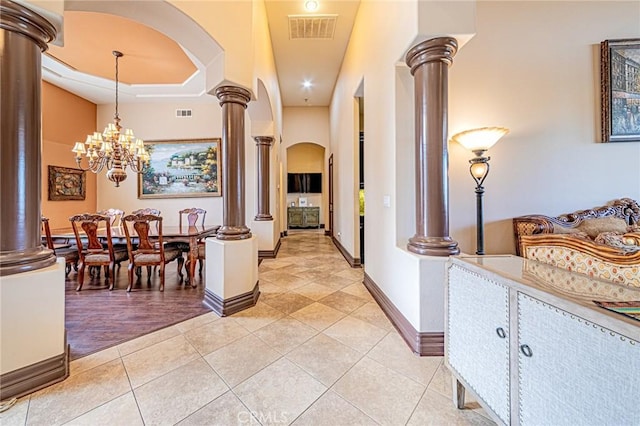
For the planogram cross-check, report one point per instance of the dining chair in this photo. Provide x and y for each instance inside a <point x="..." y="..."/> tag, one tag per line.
<point x="193" y="215"/>
<point x="150" y="250"/>
<point x="94" y="253"/>
<point x="115" y="215"/>
<point x="154" y="212"/>
<point x="65" y="248"/>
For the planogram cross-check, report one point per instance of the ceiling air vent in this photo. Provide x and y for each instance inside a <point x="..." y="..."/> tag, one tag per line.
<point x="183" y="113"/>
<point x="312" y="26"/>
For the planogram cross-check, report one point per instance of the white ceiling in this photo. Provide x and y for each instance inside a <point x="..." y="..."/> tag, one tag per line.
<point x="317" y="61"/>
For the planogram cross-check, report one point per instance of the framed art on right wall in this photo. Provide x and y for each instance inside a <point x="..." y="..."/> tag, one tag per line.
<point x="620" y="87"/>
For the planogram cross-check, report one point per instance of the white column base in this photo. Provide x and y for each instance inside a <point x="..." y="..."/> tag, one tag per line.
<point x="268" y="237"/>
<point x="31" y="317"/>
<point x="232" y="274"/>
<point x="33" y="345"/>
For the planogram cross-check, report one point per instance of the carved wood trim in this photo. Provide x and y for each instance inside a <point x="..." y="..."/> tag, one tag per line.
<point x="598" y="251"/>
<point x="624" y="208"/>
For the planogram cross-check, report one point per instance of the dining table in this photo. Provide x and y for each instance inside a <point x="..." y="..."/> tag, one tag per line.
<point x="171" y="233"/>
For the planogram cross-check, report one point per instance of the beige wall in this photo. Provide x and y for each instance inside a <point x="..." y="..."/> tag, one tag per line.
<point x="370" y="61"/>
<point x="305" y="158"/>
<point x="525" y="70"/>
<point x="66" y="118"/>
<point x="229" y="23"/>
<point x="308" y="126"/>
<point x="157" y="121"/>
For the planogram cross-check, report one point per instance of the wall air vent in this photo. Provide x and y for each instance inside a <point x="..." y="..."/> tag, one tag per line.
<point x="183" y="113"/>
<point x="312" y="26"/>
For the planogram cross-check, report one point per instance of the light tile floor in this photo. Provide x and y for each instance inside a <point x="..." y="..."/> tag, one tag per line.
<point x="315" y="350"/>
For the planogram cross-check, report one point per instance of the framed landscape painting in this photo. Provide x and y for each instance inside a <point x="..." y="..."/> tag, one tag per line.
<point x="181" y="169"/>
<point x="620" y="87"/>
<point x="67" y="184"/>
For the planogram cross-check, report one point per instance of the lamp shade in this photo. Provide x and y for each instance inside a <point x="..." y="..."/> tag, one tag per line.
<point x="480" y="139"/>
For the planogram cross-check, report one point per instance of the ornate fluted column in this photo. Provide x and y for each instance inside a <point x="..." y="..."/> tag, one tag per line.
<point x="23" y="37"/>
<point x="233" y="100"/>
<point x="263" y="143"/>
<point x="429" y="62"/>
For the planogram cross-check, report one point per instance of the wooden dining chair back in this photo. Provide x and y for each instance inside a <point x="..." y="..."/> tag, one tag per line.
<point x="92" y="250"/>
<point x="150" y="249"/>
<point x="154" y="212"/>
<point x="115" y="215"/>
<point x="192" y="216"/>
<point x="64" y="248"/>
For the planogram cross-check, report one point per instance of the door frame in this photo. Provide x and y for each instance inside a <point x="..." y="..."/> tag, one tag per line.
<point x="330" y="233"/>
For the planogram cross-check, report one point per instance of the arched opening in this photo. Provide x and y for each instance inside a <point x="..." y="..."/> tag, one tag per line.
<point x="165" y="18"/>
<point x="306" y="185"/>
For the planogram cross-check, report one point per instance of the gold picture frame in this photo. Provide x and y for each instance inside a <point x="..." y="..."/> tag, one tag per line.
<point x="67" y="184"/>
<point x="181" y="168"/>
<point x="620" y="90"/>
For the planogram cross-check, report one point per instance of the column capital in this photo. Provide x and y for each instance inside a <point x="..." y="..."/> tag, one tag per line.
<point x="233" y="94"/>
<point x="441" y="49"/>
<point x="19" y="19"/>
<point x="263" y="140"/>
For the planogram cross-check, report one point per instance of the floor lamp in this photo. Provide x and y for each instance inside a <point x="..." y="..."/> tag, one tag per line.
<point x="479" y="141"/>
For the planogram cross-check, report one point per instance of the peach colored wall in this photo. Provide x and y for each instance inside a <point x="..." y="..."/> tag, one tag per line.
<point x="66" y="118"/>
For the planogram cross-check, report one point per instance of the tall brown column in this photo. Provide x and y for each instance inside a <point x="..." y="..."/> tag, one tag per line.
<point x="429" y="62"/>
<point x="234" y="101"/>
<point x="23" y="37"/>
<point x="263" y="143"/>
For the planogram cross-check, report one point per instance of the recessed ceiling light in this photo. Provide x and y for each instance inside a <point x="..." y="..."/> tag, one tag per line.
<point x="311" y="5"/>
<point x="306" y="84"/>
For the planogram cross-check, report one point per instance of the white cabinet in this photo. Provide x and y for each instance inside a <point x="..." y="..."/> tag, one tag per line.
<point x="574" y="371"/>
<point x="562" y="360"/>
<point x="478" y="334"/>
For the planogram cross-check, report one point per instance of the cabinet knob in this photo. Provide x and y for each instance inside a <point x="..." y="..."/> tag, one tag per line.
<point x="501" y="333"/>
<point x="526" y="351"/>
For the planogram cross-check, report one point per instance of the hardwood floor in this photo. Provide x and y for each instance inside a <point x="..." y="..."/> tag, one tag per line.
<point x="96" y="318"/>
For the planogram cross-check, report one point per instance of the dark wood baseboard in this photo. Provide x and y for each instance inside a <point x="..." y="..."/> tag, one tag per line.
<point x="269" y="254"/>
<point x="422" y="343"/>
<point x="283" y="234"/>
<point x="225" y="307"/>
<point x="327" y="232"/>
<point x="31" y="378"/>
<point x="353" y="261"/>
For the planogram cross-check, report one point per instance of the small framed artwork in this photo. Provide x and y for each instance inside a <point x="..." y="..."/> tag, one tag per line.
<point x="620" y="89"/>
<point x="181" y="169"/>
<point x="67" y="184"/>
<point x="302" y="201"/>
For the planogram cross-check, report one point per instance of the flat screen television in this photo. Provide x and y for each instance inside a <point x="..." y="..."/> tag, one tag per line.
<point x="301" y="183"/>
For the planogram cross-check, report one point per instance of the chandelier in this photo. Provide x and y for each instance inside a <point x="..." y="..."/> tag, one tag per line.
<point x="114" y="149"/>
